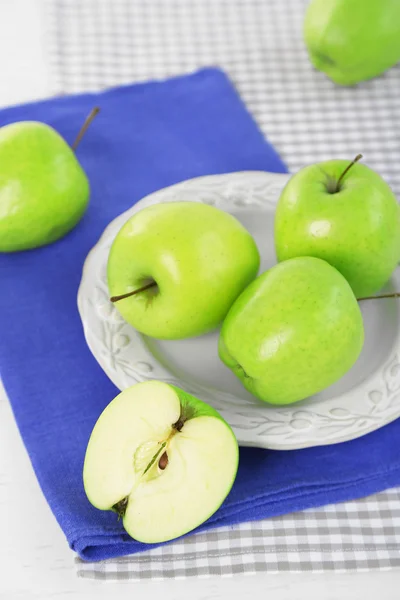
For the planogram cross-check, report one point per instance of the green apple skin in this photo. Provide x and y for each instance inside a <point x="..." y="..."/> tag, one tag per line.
<point x="44" y="191"/>
<point x="353" y="40"/>
<point x="357" y="230"/>
<point x="200" y="257"/>
<point x="122" y="463"/>
<point x="294" y="331"/>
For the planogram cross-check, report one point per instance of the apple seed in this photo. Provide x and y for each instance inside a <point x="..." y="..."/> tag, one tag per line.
<point x="163" y="462"/>
<point x="153" y="460"/>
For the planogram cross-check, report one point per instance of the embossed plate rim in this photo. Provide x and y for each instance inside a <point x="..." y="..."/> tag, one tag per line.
<point x="375" y="402"/>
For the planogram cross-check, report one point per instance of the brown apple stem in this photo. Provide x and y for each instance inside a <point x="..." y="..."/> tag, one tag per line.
<point x="93" y="113"/>
<point x="391" y="295"/>
<point x="129" y="294"/>
<point x="347" y="169"/>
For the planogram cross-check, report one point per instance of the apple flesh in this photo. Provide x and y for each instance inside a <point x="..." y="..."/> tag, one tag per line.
<point x="198" y="258"/>
<point x="293" y="332"/>
<point x="162" y="459"/>
<point x="44" y="191"/>
<point x="355" y="226"/>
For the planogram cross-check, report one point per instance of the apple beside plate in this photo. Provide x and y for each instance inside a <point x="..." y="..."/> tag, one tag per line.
<point x="163" y="460"/>
<point x="366" y="398"/>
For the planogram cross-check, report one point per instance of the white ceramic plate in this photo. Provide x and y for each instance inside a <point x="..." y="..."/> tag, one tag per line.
<point x="364" y="399"/>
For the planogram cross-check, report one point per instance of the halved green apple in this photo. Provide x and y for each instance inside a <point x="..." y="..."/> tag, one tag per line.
<point x="162" y="459"/>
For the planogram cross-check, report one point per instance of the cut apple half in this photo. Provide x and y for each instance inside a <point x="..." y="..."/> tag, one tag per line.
<point x="162" y="459"/>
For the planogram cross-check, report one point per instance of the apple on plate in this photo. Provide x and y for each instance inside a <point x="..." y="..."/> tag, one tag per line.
<point x="162" y="459"/>
<point x="44" y="191"/>
<point x="294" y="331"/>
<point x="175" y="268"/>
<point x="346" y="214"/>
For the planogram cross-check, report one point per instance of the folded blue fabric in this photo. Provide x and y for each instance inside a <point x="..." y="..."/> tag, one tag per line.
<point x="146" y="137"/>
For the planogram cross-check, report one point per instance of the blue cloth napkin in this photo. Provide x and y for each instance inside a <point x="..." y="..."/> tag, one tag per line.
<point x="146" y="137"/>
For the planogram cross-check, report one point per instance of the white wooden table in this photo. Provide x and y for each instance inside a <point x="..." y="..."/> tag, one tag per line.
<point x="35" y="561"/>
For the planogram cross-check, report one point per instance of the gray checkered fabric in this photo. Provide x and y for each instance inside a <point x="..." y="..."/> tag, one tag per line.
<point x="100" y="43"/>
<point x="360" y="535"/>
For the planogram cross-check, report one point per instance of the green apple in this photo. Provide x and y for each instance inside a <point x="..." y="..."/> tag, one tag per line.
<point x="162" y="459"/>
<point x="346" y="214"/>
<point x="353" y="40"/>
<point x="188" y="260"/>
<point x="294" y="331"/>
<point x="44" y="191"/>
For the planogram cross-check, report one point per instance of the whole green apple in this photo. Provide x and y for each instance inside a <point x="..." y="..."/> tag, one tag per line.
<point x="162" y="459"/>
<point x="44" y="191"/>
<point x="188" y="261"/>
<point x="346" y="214"/>
<point x="294" y="331"/>
<point x="353" y="40"/>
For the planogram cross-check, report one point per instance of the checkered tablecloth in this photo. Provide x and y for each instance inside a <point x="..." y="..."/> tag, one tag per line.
<point x="351" y="536"/>
<point x="100" y="43"/>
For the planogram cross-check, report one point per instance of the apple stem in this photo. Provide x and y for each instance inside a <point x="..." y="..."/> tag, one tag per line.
<point x="129" y="294"/>
<point x="353" y="162"/>
<point x="93" y="113"/>
<point x="391" y="295"/>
